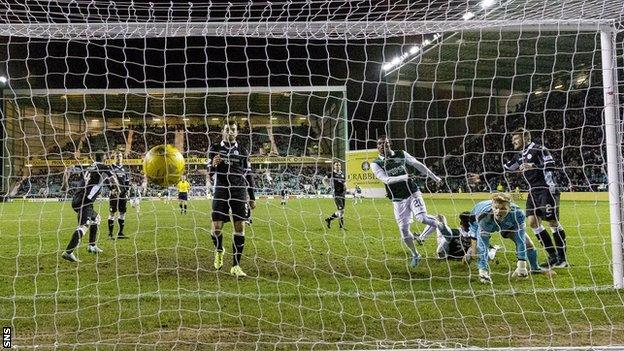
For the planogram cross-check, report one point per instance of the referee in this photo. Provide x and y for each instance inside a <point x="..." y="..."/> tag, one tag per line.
<point x="183" y="189"/>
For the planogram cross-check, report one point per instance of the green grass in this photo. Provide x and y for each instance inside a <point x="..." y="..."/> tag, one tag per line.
<point x="309" y="287"/>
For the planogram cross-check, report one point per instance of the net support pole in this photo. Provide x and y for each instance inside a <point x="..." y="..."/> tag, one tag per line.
<point x="611" y="120"/>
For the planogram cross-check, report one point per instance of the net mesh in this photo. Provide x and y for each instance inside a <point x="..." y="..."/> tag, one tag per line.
<point x="309" y="83"/>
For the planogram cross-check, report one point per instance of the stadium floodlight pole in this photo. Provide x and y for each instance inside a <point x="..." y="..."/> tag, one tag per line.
<point x="611" y="120"/>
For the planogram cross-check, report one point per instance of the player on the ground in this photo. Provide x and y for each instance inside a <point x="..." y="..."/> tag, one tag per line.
<point x="461" y="243"/>
<point x="391" y="168"/>
<point x="283" y="196"/>
<point x="93" y="179"/>
<point x="338" y="185"/>
<point x="118" y="199"/>
<point x="233" y="191"/>
<point x="538" y="166"/>
<point x="457" y="243"/>
<point x="357" y="193"/>
<point x="183" y="190"/>
<point x="500" y="215"/>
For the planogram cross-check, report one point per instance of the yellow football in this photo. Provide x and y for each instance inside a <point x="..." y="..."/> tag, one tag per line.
<point x="164" y="165"/>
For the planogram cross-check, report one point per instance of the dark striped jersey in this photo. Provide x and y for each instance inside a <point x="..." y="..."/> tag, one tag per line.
<point x="542" y="175"/>
<point x="338" y="184"/>
<point x="123" y="178"/>
<point x="233" y="175"/>
<point x="94" y="177"/>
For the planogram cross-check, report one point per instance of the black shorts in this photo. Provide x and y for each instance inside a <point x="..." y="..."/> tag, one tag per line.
<point x="183" y="196"/>
<point x="118" y="204"/>
<point x="340" y="202"/>
<point x="458" y="247"/>
<point x="223" y="205"/>
<point x="85" y="212"/>
<point x="543" y="204"/>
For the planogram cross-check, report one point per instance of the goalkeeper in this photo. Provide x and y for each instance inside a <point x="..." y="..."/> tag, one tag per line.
<point x="460" y="244"/>
<point x="500" y="215"/>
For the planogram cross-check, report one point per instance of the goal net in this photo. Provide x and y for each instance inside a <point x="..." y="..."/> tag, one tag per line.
<point x="311" y="87"/>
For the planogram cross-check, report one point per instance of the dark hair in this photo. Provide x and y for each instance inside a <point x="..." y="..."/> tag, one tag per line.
<point x="229" y="122"/>
<point x="465" y="219"/>
<point x="526" y="134"/>
<point x="98" y="155"/>
<point x="385" y="138"/>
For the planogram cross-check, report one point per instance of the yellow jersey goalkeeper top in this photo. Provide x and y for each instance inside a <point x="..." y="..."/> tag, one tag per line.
<point x="184" y="186"/>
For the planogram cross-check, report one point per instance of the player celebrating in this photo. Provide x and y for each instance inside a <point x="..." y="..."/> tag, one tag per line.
<point x="118" y="199"/>
<point x="537" y="166"/>
<point x="183" y="189"/>
<point x="93" y="179"/>
<point x="233" y="192"/>
<point x="391" y="168"/>
<point x="338" y="184"/>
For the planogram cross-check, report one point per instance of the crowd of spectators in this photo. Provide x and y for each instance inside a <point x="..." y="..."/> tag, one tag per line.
<point x="568" y="124"/>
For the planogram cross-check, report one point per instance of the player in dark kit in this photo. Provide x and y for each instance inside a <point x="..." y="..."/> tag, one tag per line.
<point x="538" y="166"/>
<point x="233" y="185"/>
<point x="93" y="179"/>
<point x="118" y="200"/>
<point x="283" y="196"/>
<point x="338" y="184"/>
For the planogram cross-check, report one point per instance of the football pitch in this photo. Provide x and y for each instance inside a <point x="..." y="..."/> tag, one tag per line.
<point x="308" y="286"/>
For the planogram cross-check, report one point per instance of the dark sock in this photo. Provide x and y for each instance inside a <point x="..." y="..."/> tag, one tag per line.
<point x="237" y="248"/>
<point x="184" y="208"/>
<point x="547" y="243"/>
<point x="75" y="239"/>
<point x="121" y="226"/>
<point x="341" y="222"/>
<point x="218" y="241"/>
<point x="93" y="234"/>
<point x="560" y="244"/>
<point x="181" y="210"/>
<point x="111" y="225"/>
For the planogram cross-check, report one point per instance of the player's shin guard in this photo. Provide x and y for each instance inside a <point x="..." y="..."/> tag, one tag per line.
<point x="122" y="221"/>
<point x="560" y="243"/>
<point x="431" y="225"/>
<point x="75" y="239"/>
<point x="544" y="238"/>
<point x="217" y="240"/>
<point x="93" y="234"/>
<point x="237" y="248"/>
<point x="111" y="225"/>
<point x="408" y="239"/>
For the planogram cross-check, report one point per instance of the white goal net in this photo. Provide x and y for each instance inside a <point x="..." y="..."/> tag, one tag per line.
<point x="487" y="96"/>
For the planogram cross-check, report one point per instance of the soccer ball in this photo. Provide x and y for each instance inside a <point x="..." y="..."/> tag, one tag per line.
<point x="163" y="165"/>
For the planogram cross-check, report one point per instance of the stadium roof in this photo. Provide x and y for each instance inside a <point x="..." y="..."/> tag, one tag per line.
<point x="347" y="19"/>
<point x="518" y="61"/>
<point x="282" y="103"/>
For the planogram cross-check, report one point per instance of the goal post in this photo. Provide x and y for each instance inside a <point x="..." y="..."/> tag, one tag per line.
<point x="408" y="80"/>
<point x="615" y="162"/>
